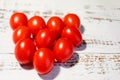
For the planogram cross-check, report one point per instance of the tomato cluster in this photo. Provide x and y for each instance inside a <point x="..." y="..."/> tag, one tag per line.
<point x="44" y="43"/>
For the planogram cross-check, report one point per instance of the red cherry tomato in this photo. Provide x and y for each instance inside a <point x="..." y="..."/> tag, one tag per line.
<point x="43" y="61"/>
<point x="73" y="34"/>
<point x="18" y="19"/>
<point x="24" y="51"/>
<point x="45" y="38"/>
<point x="20" y="33"/>
<point x="55" y="24"/>
<point x="63" y="49"/>
<point x="35" y="24"/>
<point x="72" y="20"/>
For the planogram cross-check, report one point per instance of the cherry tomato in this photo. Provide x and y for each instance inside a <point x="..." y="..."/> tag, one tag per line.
<point x="24" y="51"/>
<point x="72" y="20"/>
<point x="18" y="19"/>
<point x="35" y="24"/>
<point x="73" y="34"/>
<point x="55" y="24"/>
<point x="63" y="49"/>
<point x="45" y="38"/>
<point x="20" y="33"/>
<point x="43" y="61"/>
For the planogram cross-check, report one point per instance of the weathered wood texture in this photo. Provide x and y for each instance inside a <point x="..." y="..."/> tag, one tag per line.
<point x="98" y="58"/>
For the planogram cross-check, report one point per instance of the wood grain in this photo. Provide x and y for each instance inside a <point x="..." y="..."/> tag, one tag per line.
<point x="94" y="63"/>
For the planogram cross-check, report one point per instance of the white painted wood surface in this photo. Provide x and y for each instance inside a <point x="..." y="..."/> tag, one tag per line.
<point x="97" y="59"/>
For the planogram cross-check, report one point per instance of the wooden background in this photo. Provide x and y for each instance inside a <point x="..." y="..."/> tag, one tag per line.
<point x="98" y="58"/>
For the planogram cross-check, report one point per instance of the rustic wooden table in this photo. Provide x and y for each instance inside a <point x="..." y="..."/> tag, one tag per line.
<point x="98" y="58"/>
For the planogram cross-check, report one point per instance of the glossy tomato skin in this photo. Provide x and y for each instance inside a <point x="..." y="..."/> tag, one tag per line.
<point x="24" y="51"/>
<point x="73" y="34"/>
<point x="18" y="19"/>
<point x="43" y="60"/>
<point x="36" y="23"/>
<point x="55" y="24"/>
<point x="21" y="32"/>
<point x="63" y="50"/>
<point x="45" y="38"/>
<point x="72" y="20"/>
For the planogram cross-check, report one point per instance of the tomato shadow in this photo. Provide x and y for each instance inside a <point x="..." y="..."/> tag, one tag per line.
<point x="82" y="46"/>
<point x="28" y="66"/>
<point x="71" y="62"/>
<point x="51" y="75"/>
<point x="82" y="29"/>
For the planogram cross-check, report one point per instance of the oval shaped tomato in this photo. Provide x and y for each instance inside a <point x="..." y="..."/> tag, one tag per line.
<point x="73" y="34"/>
<point x="63" y="50"/>
<point x="36" y="23"/>
<point x="20" y="33"/>
<point x="45" y="38"/>
<point x="55" y="24"/>
<point x="18" y="19"/>
<point x="72" y="20"/>
<point x="43" y="60"/>
<point x="24" y="51"/>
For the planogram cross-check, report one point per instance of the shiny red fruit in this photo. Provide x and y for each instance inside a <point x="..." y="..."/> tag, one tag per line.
<point x="18" y="19"/>
<point x="36" y="23"/>
<point x="45" y="38"/>
<point x="55" y="24"/>
<point x="63" y="50"/>
<point x="73" y="34"/>
<point x="21" y="32"/>
<point x="72" y="20"/>
<point x="24" y="51"/>
<point x="43" y="61"/>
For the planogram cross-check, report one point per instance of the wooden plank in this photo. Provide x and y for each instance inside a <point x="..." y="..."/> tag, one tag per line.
<point x="85" y="64"/>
